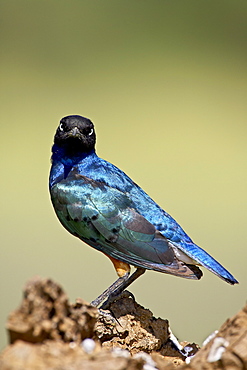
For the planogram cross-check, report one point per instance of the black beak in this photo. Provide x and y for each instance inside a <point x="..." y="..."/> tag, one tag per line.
<point x="75" y="132"/>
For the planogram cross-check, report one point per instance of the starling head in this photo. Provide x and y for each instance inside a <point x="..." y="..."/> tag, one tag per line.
<point x="76" y="135"/>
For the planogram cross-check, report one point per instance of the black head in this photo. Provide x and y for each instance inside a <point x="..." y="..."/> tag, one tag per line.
<point x="76" y="135"/>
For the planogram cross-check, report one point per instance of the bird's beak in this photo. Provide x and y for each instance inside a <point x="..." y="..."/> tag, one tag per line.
<point x="74" y="132"/>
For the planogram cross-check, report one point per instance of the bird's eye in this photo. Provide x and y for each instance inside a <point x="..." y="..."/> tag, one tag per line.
<point x="61" y="126"/>
<point x="90" y="132"/>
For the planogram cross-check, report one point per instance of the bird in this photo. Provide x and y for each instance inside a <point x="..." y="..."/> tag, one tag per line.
<point x="102" y="206"/>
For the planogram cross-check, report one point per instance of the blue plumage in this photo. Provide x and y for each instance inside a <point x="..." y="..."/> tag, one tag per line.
<point x="100" y="204"/>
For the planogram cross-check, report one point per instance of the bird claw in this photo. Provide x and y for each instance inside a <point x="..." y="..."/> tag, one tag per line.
<point x="105" y="312"/>
<point x="115" y="297"/>
<point x="108" y="317"/>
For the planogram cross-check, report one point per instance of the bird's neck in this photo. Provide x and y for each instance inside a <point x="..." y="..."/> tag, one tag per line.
<point x="60" y="155"/>
<point x="62" y="164"/>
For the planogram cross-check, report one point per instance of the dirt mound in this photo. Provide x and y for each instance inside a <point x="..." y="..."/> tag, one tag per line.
<point x="48" y="332"/>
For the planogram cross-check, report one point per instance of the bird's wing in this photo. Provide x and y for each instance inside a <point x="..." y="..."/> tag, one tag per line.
<point x="161" y="220"/>
<point x="104" y="218"/>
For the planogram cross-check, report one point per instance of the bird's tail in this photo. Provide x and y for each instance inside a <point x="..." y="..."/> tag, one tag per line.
<point x="203" y="258"/>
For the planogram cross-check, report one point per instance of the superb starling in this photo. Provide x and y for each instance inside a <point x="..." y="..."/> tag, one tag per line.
<point x="97" y="202"/>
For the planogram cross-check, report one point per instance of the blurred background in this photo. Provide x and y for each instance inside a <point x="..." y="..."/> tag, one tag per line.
<point x="165" y="83"/>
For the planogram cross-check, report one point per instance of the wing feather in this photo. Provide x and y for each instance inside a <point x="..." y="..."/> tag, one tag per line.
<point x="104" y="218"/>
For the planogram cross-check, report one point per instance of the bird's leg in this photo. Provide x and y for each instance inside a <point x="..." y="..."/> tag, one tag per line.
<point x="110" y="290"/>
<point x="117" y="287"/>
<point x="139" y="271"/>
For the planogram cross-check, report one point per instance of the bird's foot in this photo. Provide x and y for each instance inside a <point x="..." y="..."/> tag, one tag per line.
<point x="108" y="317"/>
<point x="115" y="297"/>
<point x="106" y="314"/>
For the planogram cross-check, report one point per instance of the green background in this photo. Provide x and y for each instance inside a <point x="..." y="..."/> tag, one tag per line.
<point x="165" y="83"/>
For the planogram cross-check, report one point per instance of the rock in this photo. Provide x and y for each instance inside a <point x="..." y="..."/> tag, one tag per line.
<point x="45" y="313"/>
<point x="48" y="332"/>
<point x="135" y="328"/>
<point x="227" y="349"/>
<point x="51" y="355"/>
